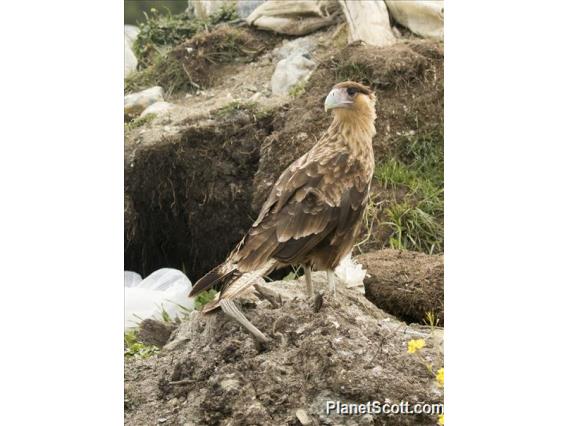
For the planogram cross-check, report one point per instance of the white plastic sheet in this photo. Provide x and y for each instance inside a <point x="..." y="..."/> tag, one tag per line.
<point x="163" y="290"/>
<point x="293" y="17"/>
<point x="130" y="60"/>
<point x="350" y="272"/>
<point x="424" y="18"/>
<point x="291" y="71"/>
<point x="368" y="21"/>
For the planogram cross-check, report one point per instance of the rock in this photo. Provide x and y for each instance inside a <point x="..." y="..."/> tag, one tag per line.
<point x="300" y="46"/>
<point x="158" y="108"/>
<point x="135" y="103"/>
<point x="130" y="60"/>
<point x="152" y="332"/>
<point x="405" y="284"/>
<point x="291" y="71"/>
<point x="303" y="417"/>
<point x="336" y="357"/>
<point x="294" y="63"/>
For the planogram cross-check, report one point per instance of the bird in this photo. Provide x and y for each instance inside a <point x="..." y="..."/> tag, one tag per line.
<point x="314" y="211"/>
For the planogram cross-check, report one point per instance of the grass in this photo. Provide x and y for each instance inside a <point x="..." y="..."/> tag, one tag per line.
<point x="354" y="72"/>
<point x="250" y="107"/>
<point x="159" y="34"/>
<point x="135" y="349"/>
<point x="191" y="65"/>
<point x="140" y="121"/>
<point x="164" y="72"/>
<point x="204" y="298"/>
<point x="410" y="207"/>
<point x="162" y="30"/>
<point x="298" y="89"/>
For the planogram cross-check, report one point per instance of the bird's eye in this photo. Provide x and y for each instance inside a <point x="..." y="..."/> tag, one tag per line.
<point x="351" y="91"/>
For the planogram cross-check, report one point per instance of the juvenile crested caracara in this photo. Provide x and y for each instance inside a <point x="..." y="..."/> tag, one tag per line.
<point x="314" y="211"/>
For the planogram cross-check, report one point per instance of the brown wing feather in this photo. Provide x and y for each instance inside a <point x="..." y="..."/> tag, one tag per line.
<point x="313" y="200"/>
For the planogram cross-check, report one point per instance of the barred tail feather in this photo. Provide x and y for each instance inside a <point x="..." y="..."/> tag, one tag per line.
<point x="238" y="284"/>
<point x="213" y="277"/>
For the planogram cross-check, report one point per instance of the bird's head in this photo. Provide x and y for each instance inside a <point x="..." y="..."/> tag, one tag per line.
<point x="353" y="106"/>
<point x="349" y="98"/>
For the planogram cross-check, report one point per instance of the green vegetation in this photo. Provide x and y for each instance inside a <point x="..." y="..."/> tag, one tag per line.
<point x="160" y="63"/>
<point x="204" y="298"/>
<point x="140" y="121"/>
<point x="169" y="74"/>
<point x="162" y="30"/>
<point x="353" y="71"/>
<point x="180" y="58"/>
<point x="134" y="348"/>
<point x="250" y="107"/>
<point x="410" y="206"/>
<point x="298" y="89"/>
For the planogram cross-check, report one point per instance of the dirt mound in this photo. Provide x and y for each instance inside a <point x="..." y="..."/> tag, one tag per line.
<point x="408" y="81"/>
<point x="406" y="284"/>
<point x="202" y="60"/>
<point x="349" y="351"/>
<point x="192" y="186"/>
<point x="202" y="56"/>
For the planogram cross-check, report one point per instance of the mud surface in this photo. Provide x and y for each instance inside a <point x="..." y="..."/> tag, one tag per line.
<point x="406" y="284"/>
<point x="189" y="195"/>
<point x="213" y="373"/>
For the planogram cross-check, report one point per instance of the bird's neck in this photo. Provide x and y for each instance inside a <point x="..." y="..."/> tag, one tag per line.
<point x="356" y="129"/>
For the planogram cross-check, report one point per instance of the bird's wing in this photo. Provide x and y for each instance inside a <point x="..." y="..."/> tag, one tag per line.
<point x="312" y="198"/>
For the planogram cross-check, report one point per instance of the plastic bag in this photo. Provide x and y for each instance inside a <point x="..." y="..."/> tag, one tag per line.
<point x="162" y="291"/>
<point x="424" y="18"/>
<point x="350" y="272"/>
<point x="130" y="60"/>
<point x="291" y="71"/>
<point x="368" y="21"/>
<point x="294" y="17"/>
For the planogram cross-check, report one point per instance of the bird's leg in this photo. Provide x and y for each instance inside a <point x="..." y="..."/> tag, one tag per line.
<point x="308" y="278"/>
<point x="230" y="309"/>
<point x="331" y="280"/>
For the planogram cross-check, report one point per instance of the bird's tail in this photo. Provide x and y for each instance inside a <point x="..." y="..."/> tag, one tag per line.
<point x="219" y="274"/>
<point x="234" y="282"/>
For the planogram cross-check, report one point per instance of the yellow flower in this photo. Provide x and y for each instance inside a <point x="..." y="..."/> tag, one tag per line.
<point x="440" y="376"/>
<point x="415" y="345"/>
<point x="441" y="419"/>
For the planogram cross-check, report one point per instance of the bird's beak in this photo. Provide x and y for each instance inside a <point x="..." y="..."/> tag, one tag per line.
<point x="336" y="99"/>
